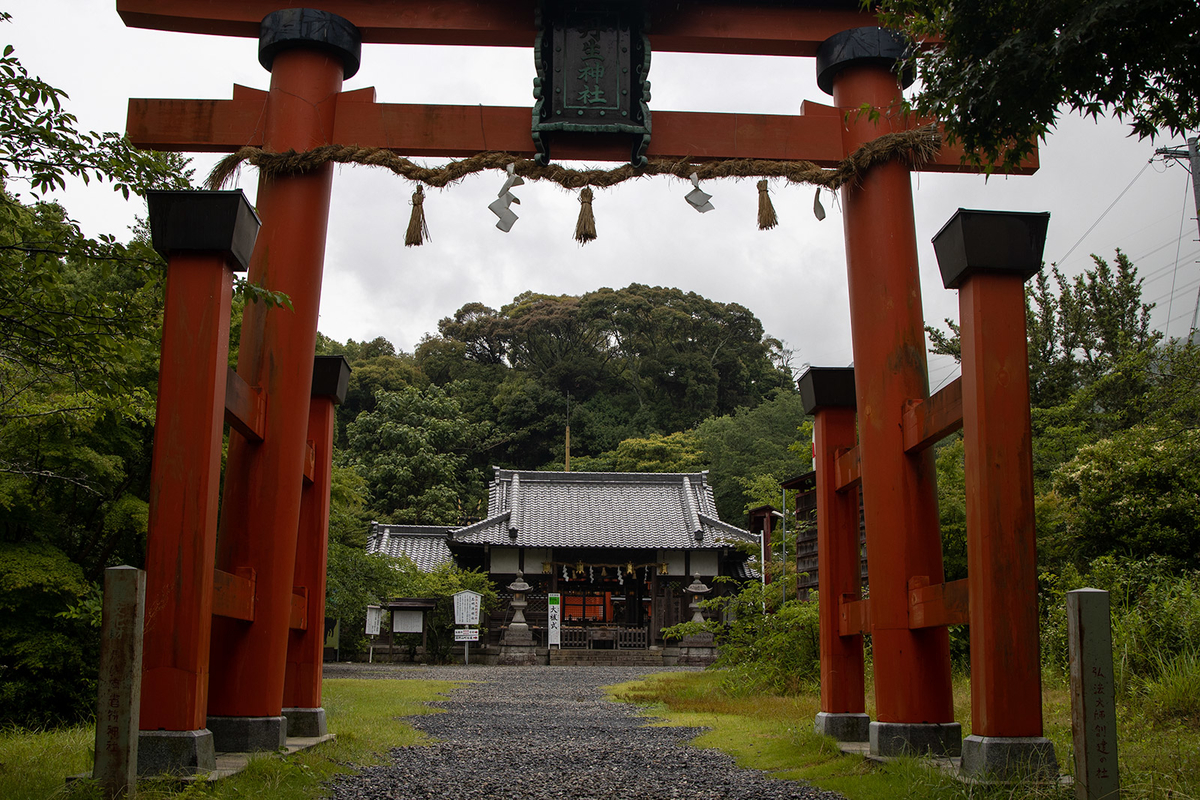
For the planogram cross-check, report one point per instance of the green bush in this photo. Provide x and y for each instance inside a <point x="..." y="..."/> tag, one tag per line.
<point x="1155" y="609"/>
<point x="776" y="652"/>
<point x="48" y="654"/>
<point x="441" y="585"/>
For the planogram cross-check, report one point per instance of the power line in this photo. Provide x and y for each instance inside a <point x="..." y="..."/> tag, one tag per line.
<point x="1178" y="245"/>
<point x="1103" y="215"/>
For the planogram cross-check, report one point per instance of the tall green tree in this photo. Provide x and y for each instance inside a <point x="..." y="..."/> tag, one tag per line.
<point x="1004" y="70"/>
<point x="413" y="451"/>
<point x="78" y="334"/>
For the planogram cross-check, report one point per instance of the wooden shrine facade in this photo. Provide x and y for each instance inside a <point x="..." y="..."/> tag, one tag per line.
<point x="618" y="548"/>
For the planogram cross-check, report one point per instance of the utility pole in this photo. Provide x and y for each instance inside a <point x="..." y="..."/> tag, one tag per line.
<point x="1192" y="154"/>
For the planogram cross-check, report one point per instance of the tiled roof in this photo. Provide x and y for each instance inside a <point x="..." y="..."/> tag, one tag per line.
<point x="602" y="509"/>
<point x="424" y="544"/>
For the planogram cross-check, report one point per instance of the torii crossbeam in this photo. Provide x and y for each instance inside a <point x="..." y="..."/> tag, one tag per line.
<point x="306" y="108"/>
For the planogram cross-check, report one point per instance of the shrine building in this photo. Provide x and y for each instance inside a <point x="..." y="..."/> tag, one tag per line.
<point x="618" y="547"/>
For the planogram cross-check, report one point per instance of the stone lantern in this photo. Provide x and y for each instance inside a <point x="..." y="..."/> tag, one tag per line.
<point x="697" y="649"/>
<point x="516" y="645"/>
<point x="518" y="629"/>
<point x="697" y="590"/>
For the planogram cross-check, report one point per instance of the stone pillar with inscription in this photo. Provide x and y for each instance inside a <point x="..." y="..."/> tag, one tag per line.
<point x="1093" y="707"/>
<point x="119" y="691"/>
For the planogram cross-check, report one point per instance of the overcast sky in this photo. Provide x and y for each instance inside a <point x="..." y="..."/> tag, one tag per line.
<point x="793" y="277"/>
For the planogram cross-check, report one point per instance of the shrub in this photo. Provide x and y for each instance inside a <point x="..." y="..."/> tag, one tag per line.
<point x="776" y="652"/>
<point x="1155" y="609"/>
<point x="48" y="655"/>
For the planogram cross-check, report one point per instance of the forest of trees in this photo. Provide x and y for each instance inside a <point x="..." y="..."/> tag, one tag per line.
<point x="636" y="367"/>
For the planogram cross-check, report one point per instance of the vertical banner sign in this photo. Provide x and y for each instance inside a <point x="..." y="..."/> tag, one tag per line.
<point x="1093" y="710"/>
<point x="554" y="620"/>
<point x="374" y="620"/>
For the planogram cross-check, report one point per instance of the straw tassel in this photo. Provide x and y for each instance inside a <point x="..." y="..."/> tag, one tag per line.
<point x="585" y="228"/>
<point x="418" y="231"/>
<point x="766" y="211"/>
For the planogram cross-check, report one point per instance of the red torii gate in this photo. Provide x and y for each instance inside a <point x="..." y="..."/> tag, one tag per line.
<point x="241" y="700"/>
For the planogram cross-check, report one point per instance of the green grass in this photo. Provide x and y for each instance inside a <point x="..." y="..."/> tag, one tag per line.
<point x="363" y="713"/>
<point x="1159" y="760"/>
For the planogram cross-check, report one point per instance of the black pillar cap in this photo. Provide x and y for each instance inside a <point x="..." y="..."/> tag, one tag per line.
<point x="861" y="46"/>
<point x="192" y="220"/>
<point x="306" y="27"/>
<point x="827" y="387"/>
<point x="974" y="241"/>
<point x="331" y="378"/>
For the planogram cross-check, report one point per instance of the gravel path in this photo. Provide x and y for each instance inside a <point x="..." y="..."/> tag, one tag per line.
<point x="544" y="733"/>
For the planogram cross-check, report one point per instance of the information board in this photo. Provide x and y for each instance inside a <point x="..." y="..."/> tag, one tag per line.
<point x="374" y="620"/>
<point x="466" y="634"/>
<point x="407" y="621"/>
<point x="466" y="607"/>
<point x="554" y="619"/>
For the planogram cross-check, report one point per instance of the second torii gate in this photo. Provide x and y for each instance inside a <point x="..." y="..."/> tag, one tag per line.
<point x="309" y="53"/>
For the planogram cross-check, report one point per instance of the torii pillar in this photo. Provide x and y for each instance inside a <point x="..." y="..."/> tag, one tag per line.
<point x="306" y="646"/>
<point x="828" y="394"/>
<point x="308" y="53"/>
<point x="913" y="698"/>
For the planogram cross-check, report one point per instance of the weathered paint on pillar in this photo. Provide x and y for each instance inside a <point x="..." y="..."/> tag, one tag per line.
<point x="1006" y="689"/>
<point x="839" y="570"/>
<point x="119" y="686"/>
<point x="829" y="395"/>
<point x="302" y="682"/>
<point x="205" y="237"/>
<point x="261" y="511"/>
<point x="987" y="256"/>
<point x="1093" y="709"/>
<point x="912" y="667"/>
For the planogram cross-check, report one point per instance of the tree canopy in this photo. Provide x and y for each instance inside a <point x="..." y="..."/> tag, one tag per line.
<point x="1005" y="69"/>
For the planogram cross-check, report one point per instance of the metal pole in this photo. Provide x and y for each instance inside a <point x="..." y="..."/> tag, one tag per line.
<point x="1194" y="155"/>
<point x="762" y="562"/>
<point x="783" y="544"/>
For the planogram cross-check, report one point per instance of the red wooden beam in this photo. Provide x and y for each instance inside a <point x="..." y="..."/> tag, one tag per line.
<point x="299" y="618"/>
<point x="310" y="463"/>
<point x="855" y="615"/>
<point x="233" y="595"/>
<point x="849" y="470"/>
<point x="455" y="131"/>
<point x="937" y="605"/>
<point x="245" y="409"/>
<point x="697" y="26"/>
<point x="927" y="422"/>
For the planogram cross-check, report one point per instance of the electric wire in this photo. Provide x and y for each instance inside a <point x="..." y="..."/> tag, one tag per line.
<point x="1105" y="213"/>
<point x="1178" y="245"/>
